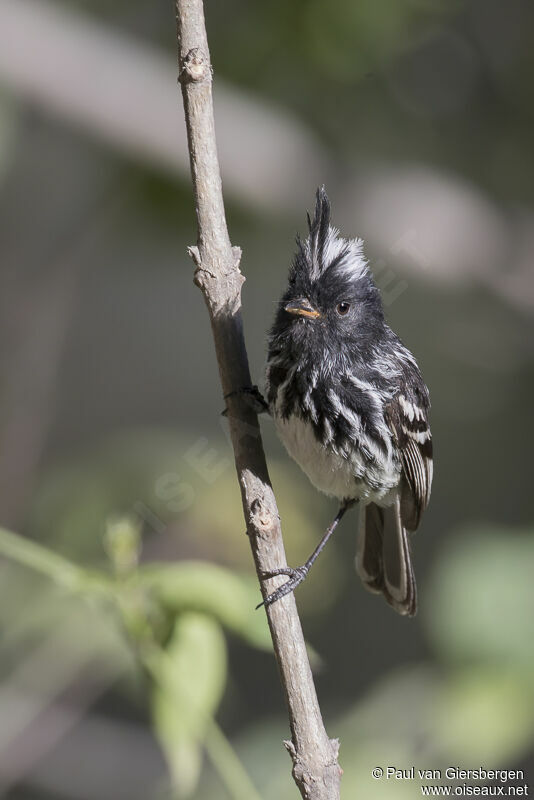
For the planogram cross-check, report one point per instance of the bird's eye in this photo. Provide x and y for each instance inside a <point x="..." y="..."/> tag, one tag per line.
<point x="343" y="308"/>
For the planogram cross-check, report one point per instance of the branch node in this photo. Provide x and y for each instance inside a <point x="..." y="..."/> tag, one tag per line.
<point x="203" y="275"/>
<point x="301" y="774"/>
<point x="237" y="253"/>
<point x="335" y="749"/>
<point x="262" y="517"/>
<point x="195" y="68"/>
<point x="307" y="779"/>
<point x="194" y="252"/>
<point x="290" y="747"/>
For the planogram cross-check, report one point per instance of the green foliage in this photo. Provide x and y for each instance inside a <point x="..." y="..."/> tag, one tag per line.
<point x="189" y="680"/>
<point x="474" y="704"/>
<point x="478" y="596"/>
<point x="173" y="616"/>
<point x="214" y="591"/>
<point x="486" y="715"/>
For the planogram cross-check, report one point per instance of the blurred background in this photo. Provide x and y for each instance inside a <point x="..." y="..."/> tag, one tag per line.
<point x="132" y="664"/>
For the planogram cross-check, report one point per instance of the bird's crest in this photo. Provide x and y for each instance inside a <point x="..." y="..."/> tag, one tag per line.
<point x="324" y="247"/>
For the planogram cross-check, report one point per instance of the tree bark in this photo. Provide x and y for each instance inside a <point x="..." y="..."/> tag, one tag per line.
<point x="315" y="767"/>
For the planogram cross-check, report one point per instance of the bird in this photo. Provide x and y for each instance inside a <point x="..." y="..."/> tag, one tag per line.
<point x="351" y="407"/>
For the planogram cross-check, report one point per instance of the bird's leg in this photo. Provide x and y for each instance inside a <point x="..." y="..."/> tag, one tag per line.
<point x="298" y="574"/>
<point x="252" y="396"/>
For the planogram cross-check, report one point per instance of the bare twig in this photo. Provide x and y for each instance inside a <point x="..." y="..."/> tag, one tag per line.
<point x="314" y="755"/>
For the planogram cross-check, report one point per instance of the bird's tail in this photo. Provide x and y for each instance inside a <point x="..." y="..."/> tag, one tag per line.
<point x="383" y="557"/>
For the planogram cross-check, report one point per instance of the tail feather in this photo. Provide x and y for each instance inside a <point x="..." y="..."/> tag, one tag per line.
<point x="383" y="559"/>
<point x="369" y="561"/>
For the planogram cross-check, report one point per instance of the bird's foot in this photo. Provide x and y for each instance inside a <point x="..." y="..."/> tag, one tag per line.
<point x="295" y="574"/>
<point x="253" y="398"/>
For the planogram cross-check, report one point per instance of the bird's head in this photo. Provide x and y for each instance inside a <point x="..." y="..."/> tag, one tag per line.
<point x="331" y="294"/>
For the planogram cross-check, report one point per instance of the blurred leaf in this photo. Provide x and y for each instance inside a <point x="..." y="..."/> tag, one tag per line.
<point x="189" y="681"/>
<point x="486" y="716"/>
<point x="122" y="542"/>
<point x="27" y="553"/>
<point x="352" y="38"/>
<point x="398" y="708"/>
<point x="481" y="595"/>
<point x="212" y="590"/>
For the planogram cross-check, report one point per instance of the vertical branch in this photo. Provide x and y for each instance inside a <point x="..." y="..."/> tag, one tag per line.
<point x="217" y="273"/>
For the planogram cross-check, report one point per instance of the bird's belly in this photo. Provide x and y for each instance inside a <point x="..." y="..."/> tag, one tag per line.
<point x="332" y="473"/>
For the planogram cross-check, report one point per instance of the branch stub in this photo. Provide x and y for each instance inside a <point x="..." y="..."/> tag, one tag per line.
<point x="195" y="68"/>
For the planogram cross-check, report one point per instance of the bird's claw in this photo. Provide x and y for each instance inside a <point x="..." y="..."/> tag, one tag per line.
<point x="252" y="396"/>
<point x="296" y="576"/>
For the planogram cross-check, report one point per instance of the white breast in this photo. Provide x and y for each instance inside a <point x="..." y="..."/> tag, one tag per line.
<point x="329" y="472"/>
<point x="333" y="473"/>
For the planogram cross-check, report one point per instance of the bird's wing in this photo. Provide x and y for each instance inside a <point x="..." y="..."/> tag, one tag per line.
<point x="407" y="417"/>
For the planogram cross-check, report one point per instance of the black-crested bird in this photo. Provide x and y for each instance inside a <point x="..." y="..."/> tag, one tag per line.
<point x="351" y="407"/>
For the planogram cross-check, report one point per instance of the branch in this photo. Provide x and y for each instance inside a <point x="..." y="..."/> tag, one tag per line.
<point x="315" y="767"/>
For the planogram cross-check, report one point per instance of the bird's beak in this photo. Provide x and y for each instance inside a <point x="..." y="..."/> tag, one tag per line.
<point x="303" y="308"/>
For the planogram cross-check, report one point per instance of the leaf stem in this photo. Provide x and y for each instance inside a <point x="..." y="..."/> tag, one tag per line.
<point x="59" y="569"/>
<point x="226" y="762"/>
